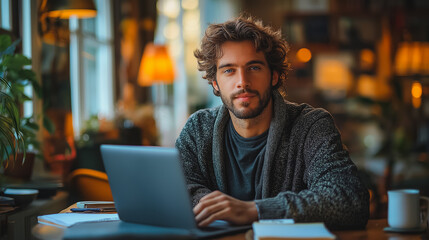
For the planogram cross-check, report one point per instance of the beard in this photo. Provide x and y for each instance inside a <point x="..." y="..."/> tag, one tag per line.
<point x="246" y="112"/>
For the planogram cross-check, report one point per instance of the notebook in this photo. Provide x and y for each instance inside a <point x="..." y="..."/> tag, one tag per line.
<point x="148" y="187"/>
<point x="278" y="231"/>
<point x="65" y="220"/>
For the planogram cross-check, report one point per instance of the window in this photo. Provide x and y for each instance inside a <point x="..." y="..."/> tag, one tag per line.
<point x="92" y="66"/>
<point x="5" y="16"/>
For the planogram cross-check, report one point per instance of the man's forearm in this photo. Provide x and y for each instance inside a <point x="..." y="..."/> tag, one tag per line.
<point x="348" y="210"/>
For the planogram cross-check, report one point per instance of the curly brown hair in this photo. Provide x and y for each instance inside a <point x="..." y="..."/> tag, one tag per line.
<point x="264" y="38"/>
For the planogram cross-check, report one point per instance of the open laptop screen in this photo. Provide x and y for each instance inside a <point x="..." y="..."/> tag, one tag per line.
<point x="148" y="185"/>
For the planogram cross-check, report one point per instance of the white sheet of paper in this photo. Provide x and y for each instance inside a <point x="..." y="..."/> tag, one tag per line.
<point x="68" y="219"/>
<point x="279" y="221"/>
<point x="298" y="230"/>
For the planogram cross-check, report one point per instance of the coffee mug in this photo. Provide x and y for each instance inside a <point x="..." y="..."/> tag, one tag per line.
<point x="404" y="209"/>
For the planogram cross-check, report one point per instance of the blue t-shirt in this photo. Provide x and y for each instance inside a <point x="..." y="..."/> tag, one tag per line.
<point x="243" y="162"/>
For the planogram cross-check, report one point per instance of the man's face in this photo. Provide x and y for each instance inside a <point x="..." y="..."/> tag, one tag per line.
<point x="244" y="79"/>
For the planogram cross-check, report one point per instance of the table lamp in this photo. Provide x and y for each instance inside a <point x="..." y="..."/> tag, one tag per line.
<point x="65" y="9"/>
<point x="156" y="70"/>
<point x="156" y="66"/>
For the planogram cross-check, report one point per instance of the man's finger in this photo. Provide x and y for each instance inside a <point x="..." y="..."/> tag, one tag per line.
<point x="211" y="195"/>
<point x="204" y="203"/>
<point x="220" y="215"/>
<point x="201" y="206"/>
<point x="210" y="210"/>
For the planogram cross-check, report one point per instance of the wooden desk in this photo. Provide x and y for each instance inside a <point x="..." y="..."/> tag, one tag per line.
<point x="373" y="231"/>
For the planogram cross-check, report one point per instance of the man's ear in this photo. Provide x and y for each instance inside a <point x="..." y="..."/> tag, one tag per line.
<point x="274" y="78"/>
<point x="215" y="86"/>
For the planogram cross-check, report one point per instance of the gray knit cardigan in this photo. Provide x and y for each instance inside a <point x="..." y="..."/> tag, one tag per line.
<point x="307" y="174"/>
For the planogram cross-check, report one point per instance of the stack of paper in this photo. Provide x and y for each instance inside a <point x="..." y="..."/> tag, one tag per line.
<point x="276" y="231"/>
<point x="95" y="204"/>
<point x="64" y="220"/>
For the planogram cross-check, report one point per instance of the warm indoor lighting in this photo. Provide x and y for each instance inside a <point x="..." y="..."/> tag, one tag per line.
<point x="191" y="23"/>
<point x="367" y="59"/>
<point x="171" y="30"/>
<point x="170" y="8"/>
<point x="65" y="9"/>
<point x="367" y="86"/>
<point x="416" y="93"/>
<point x="303" y="55"/>
<point x="417" y="102"/>
<point x="412" y="58"/>
<point x="333" y="75"/>
<point x="156" y="66"/>
<point x="416" y="90"/>
<point x="189" y="4"/>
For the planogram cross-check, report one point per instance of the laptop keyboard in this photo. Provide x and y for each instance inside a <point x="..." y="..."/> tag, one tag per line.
<point x="212" y="229"/>
<point x="216" y="226"/>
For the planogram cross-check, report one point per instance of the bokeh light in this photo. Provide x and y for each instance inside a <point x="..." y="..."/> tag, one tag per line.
<point x="303" y="55"/>
<point x="416" y="90"/>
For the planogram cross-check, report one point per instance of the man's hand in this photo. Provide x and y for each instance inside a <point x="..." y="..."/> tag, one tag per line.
<point x="219" y="206"/>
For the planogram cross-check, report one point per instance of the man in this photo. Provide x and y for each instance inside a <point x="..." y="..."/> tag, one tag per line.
<point x="259" y="156"/>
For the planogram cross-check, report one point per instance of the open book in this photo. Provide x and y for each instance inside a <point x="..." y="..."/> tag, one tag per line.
<point x="65" y="220"/>
<point x="276" y="231"/>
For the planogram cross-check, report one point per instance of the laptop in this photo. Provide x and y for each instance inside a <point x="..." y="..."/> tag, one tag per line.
<point x="149" y="187"/>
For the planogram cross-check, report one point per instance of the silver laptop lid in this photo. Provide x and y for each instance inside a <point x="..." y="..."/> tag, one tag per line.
<point x="148" y="185"/>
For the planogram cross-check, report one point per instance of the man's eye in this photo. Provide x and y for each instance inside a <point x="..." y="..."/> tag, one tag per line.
<point x="228" y="71"/>
<point x="255" y="68"/>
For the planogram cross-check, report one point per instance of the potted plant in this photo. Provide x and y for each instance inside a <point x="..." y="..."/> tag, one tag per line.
<point x="11" y="139"/>
<point x="18" y="134"/>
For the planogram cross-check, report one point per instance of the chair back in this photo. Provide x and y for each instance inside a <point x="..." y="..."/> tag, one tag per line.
<point x="90" y="185"/>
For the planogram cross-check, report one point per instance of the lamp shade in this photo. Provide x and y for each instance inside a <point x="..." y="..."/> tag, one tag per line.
<point x="65" y="9"/>
<point x="412" y="58"/>
<point x="156" y="66"/>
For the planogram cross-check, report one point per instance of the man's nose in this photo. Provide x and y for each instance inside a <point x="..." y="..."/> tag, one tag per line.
<point x="243" y="79"/>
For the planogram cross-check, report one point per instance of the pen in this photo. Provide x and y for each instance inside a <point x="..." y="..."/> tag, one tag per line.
<point x="93" y="209"/>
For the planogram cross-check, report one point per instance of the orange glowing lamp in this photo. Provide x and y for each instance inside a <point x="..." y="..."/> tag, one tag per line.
<point x="66" y="9"/>
<point x="156" y="66"/>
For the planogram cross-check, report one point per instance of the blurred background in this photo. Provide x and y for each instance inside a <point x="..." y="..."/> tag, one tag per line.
<point x="123" y="72"/>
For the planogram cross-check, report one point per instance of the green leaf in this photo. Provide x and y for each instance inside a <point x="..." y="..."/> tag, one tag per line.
<point x="11" y="48"/>
<point x="13" y="113"/>
<point x="27" y="74"/>
<point x="48" y="125"/>
<point x="7" y="136"/>
<point x="17" y="88"/>
<point x="6" y="45"/>
<point x="5" y="41"/>
<point x="5" y="82"/>
<point x="15" y="62"/>
<point x="31" y="126"/>
<point x="25" y="98"/>
<point x="5" y="151"/>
